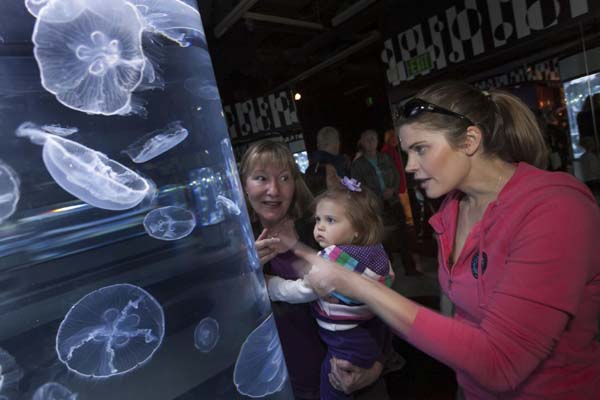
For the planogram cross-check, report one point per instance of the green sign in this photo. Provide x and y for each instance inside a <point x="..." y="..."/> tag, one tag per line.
<point x="419" y="64"/>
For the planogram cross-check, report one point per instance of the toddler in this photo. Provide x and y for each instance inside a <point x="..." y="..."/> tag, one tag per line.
<point x="349" y="228"/>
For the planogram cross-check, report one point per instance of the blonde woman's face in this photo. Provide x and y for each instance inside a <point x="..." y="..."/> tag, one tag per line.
<point x="270" y="190"/>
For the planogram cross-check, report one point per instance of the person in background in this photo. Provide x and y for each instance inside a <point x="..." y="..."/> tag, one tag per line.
<point x="378" y="172"/>
<point x="390" y="147"/>
<point x="326" y="166"/>
<point x="348" y="227"/>
<point x="517" y="252"/>
<point x="278" y="198"/>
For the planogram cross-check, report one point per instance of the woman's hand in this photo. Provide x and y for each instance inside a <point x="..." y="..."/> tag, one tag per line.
<point x="285" y="231"/>
<point x="325" y="276"/>
<point x="348" y="378"/>
<point x="265" y="247"/>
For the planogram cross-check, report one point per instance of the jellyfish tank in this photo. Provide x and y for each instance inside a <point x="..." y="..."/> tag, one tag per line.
<point x="127" y="260"/>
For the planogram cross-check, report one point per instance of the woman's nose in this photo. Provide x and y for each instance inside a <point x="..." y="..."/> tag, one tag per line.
<point x="411" y="165"/>
<point x="273" y="187"/>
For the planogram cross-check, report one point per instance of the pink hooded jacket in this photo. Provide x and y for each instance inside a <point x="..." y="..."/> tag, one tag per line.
<point x="526" y="290"/>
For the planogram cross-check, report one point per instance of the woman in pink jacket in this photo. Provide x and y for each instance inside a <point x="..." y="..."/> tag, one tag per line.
<point x="518" y="252"/>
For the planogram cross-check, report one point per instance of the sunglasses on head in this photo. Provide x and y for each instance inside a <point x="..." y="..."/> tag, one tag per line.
<point x="415" y="107"/>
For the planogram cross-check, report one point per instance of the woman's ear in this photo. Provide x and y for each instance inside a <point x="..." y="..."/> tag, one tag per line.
<point x="473" y="140"/>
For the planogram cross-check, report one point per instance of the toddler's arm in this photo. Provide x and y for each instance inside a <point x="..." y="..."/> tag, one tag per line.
<point x="289" y="290"/>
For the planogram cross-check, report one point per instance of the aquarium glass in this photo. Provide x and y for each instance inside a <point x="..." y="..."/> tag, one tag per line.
<point x="127" y="260"/>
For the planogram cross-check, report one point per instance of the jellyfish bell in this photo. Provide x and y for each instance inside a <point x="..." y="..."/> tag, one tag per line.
<point x="169" y="223"/>
<point x="87" y="174"/>
<point x="173" y="19"/>
<point x="156" y="142"/>
<point x="260" y="367"/>
<point x="9" y="191"/>
<point x="90" y="54"/>
<point x="206" y="334"/>
<point x="110" y="331"/>
<point x="53" y="391"/>
<point x="10" y="375"/>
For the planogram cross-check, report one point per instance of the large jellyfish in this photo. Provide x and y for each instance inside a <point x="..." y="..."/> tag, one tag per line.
<point x="110" y="331"/>
<point x="90" y="54"/>
<point x="10" y="375"/>
<point x="260" y="368"/>
<point x="88" y="174"/>
<point x="53" y="391"/>
<point x="156" y="142"/>
<point x="171" y="18"/>
<point x="169" y="223"/>
<point x="9" y="191"/>
<point x="206" y="334"/>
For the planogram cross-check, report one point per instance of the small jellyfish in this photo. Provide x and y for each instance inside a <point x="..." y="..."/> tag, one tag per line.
<point x="203" y="88"/>
<point x="205" y="187"/>
<point x="34" y="6"/>
<point x="88" y="174"/>
<point x="260" y="368"/>
<point x="156" y="142"/>
<point x="173" y="19"/>
<point x="90" y="54"/>
<point x="10" y="375"/>
<point x="58" y="130"/>
<point x="206" y="334"/>
<point x="110" y="331"/>
<point x="53" y="391"/>
<point x="9" y="191"/>
<point x="169" y="223"/>
<point x="228" y="204"/>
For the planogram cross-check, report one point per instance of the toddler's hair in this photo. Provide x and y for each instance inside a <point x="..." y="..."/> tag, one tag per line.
<point x="363" y="209"/>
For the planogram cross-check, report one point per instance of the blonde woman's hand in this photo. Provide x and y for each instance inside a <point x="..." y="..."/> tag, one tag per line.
<point x="285" y="231"/>
<point x="265" y="247"/>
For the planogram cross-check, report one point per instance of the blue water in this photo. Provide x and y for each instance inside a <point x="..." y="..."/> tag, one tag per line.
<point x="56" y="248"/>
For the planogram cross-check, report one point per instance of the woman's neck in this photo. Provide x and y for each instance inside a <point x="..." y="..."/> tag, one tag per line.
<point x="485" y="182"/>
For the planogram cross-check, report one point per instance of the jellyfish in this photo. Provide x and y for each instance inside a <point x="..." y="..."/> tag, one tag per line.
<point x="58" y="130"/>
<point x="53" y="391"/>
<point x="173" y="19"/>
<point x="206" y="334"/>
<point x="87" y="174"/>
<point x="34" y="6"/>
<point x="10" y="375"/>
<point x="9" y="191"/>
<point x="203" y="88"/>
<point x="205" y="187"/>
<point x="228" y="204"/>
<point x="110" y="331"/>
<point x="90" y="54"/>
<point x="156" y="142"/>
<point x="169" y="223"/>
<point x="260" y="368"/>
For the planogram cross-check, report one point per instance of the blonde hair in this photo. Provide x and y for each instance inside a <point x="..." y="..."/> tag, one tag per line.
<point x="510" y="129"/>
<point x="363" y="209"/>
<point x="268" y="152"/>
